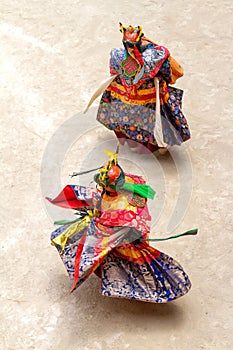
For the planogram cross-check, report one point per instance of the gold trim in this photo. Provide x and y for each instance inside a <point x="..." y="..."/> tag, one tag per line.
<point x="133" y="101"/>
<point x="139" y="92"/>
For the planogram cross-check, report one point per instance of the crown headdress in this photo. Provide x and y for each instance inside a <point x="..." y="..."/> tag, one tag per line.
<point x="111" y="172"/>
<point x="131" y="34"/>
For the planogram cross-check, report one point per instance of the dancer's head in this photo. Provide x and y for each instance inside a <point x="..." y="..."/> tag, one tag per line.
<point x="110" y="176"/>
<point x="131" y="35"/>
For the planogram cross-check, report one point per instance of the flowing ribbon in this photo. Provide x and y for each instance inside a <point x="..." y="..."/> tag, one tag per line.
<point x="143" y="190"/>
<point x="77" y="261"/>
<point x="65" y="222"/>
<point x="187" y="233"/>
<point x="75" y="227"/>
<point x="158" y="121"/>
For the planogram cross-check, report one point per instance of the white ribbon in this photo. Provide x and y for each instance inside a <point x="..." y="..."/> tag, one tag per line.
<point x="158" y="133"/>
<point x="104" y="84"/>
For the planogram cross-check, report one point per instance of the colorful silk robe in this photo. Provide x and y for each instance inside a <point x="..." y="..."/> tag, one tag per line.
<point x="128" y="104"/>
<point x="110" y="240"/>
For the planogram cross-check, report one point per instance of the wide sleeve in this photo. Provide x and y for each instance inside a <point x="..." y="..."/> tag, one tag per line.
<point x="74" y="197"/>
<point x="176" y="69"/>
<point x="116" y="58"/>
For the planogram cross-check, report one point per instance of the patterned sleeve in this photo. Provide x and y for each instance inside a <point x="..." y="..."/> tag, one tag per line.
<point x="116" y="57"/>
<point x="165" y="71"/>
<point x="176" y="69"/>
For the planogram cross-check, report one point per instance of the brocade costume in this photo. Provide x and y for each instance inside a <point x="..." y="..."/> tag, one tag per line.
<point x="110" y="238"/>
<point x="141" y="73"/>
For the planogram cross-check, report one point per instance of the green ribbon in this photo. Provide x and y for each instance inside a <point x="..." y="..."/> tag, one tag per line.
<point x="187" y="233"/>
<point x="143" y="190"/>
<point x="65" y="222"/>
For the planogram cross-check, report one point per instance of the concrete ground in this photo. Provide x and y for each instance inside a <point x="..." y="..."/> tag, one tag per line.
<point x="53" y="56"/>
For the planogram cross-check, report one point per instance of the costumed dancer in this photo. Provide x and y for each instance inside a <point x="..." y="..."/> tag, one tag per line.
<point x="110" y="238"/>
<point x="138" y="103"/>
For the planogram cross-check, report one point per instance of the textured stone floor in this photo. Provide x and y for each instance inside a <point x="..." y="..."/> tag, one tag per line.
<point x="53" y="56"/>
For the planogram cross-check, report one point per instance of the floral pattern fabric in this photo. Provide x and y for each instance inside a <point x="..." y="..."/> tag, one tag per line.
<point x="128" y="108"/>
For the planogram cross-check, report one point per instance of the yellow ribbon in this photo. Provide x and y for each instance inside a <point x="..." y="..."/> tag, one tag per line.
<point x="73" y="229"/>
